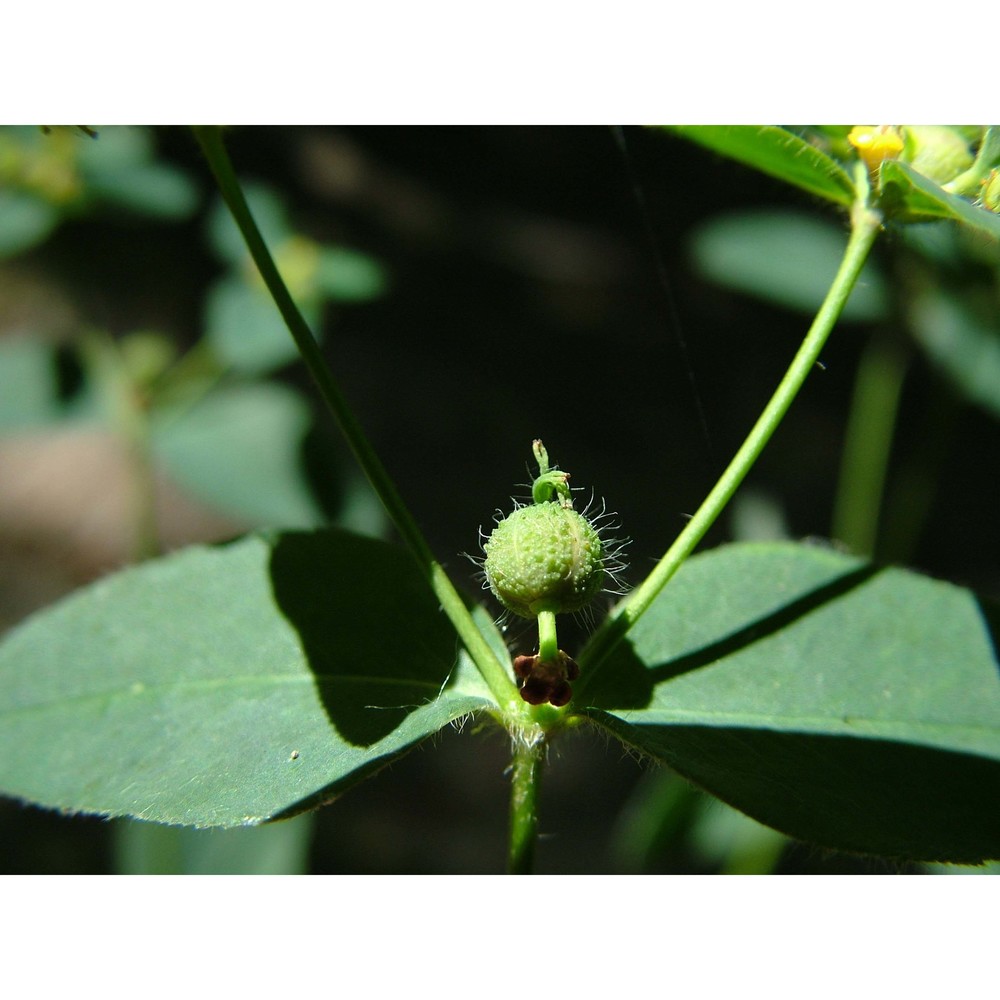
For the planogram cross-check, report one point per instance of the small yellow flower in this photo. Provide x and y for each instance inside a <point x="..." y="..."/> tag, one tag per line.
<point x="876" y="143"/>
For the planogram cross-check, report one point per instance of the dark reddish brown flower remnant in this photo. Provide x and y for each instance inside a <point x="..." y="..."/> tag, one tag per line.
<point x="546" y="681"/>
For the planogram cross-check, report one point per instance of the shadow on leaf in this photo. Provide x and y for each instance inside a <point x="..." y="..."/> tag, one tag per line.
<point x="626" y="681"/>
<point x="372" y="633"/>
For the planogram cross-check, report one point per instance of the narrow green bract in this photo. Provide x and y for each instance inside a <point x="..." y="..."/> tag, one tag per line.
<point x="546" y="557"/>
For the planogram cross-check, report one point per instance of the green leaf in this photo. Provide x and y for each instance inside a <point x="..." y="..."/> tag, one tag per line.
<point x="269" y="213"/>
<point x="840" y="703"/>
<point x="153" y="188"/>
<point x="245" y="329"/>
<point x="779" y="153"/>
<point x="966" y="349"/>
<point x="785" y="257"/>
<point x="115" y="147"/>
<point x="228" y="686"/>
<point x="240" y="448"/>
<point x="39" y="388"/>
<point x="28" y="387"/>
<point x="348" y="275"/>
<point x="119" y="166"/>
<point x="24" y="221"/>
<point x="909" y="196"/>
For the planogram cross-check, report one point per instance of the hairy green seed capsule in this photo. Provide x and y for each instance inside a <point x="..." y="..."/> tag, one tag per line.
<point x="546" y="557"/>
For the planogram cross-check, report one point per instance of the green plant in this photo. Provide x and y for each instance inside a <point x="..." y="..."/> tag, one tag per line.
<point x="839" y="701"/>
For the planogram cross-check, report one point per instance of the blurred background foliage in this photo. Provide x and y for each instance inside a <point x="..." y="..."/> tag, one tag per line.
<point x="629" y="297"/>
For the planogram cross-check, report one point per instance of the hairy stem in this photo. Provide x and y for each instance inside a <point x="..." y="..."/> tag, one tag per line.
<point x="865" y="225"/>
<point x="495" y="673"/>
<point x="525" y="782"/>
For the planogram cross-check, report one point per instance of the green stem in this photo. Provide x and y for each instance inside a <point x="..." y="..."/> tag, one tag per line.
<point x="548" y="644"/>
<point x="495" y="673"/>
<point x="867" y="446"/>
<point x="525" y="782"/>
<point x="865" y="225"/>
